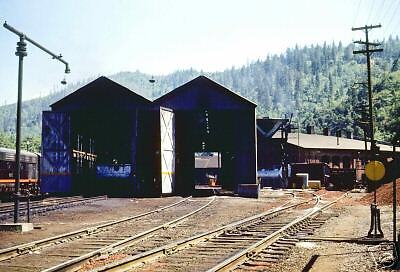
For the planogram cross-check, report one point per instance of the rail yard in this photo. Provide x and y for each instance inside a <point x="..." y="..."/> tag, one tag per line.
<point x="198" y="177"/>
<point x="282" y="230"/>
<point x="191" y="181"/>
<point x="197" y="204"/>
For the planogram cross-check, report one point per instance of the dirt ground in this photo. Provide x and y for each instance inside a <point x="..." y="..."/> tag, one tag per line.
<point x="351" y="219"/>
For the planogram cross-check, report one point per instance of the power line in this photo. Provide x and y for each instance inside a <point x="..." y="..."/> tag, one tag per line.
<point x="357" y="12"/>
<point x="370" y="11"/>
<point x="377" y="13"/>
<point x="386" y="11"/>
<point x="391" y="19"/>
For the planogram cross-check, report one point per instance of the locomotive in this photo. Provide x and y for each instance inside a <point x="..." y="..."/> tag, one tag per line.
<point x="29" y="177"/>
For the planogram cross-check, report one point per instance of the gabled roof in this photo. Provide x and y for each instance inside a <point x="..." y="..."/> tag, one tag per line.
<point x="314" y="141"/>
<point x="204" y="80"/>
<point x="101" y="86"/>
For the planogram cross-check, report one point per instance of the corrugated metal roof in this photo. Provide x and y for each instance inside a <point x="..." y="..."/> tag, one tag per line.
<point x="198" y="79"/>
<point x="315" y="141"/>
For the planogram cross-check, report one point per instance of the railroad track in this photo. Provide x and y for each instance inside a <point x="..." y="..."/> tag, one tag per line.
<point x="64" y="252"/>
<point x="229" y="246"/>
<point x="203" y="221"/>
<point x="40" y="206"/>
<point x="10" y="205"/>
<point x="270" y="249"/>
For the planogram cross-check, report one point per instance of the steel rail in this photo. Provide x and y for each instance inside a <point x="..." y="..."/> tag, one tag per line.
<point x="53" y="204"/>
<point x="6" y="205"/>
<point x="251" y="251"/>
<point x="135" y="260"/>
<point x="76" y="262"/>
<point x="14" y="251"/>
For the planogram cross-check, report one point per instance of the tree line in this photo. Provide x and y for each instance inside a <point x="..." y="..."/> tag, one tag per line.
<point x="314" y="83"/>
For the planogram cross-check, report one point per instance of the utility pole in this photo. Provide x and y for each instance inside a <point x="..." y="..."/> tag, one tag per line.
<point x="367" y="51"/>
<point x="375" y="212"/>
<point x="21" y="53"/>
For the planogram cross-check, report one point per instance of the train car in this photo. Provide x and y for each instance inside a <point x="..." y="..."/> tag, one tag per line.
<point x="29" y="177"/>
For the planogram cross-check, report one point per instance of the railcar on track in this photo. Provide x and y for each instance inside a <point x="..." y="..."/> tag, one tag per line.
<point x="29" y="177"/>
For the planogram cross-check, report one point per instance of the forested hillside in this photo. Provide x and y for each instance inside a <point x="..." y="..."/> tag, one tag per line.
<point x="315" y="83"/>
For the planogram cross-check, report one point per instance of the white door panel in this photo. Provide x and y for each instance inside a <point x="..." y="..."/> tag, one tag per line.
<point x="167" y="131"/>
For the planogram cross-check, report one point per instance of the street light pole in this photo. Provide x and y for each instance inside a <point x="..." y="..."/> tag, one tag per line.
<point x="21" y="53"/>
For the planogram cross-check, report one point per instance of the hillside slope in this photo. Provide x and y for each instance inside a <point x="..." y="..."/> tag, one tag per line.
<point x="315" y="83"/>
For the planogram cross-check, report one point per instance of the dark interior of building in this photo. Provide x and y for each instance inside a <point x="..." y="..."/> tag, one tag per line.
<point x="207" y="131"/>
<point x="102" y="158"/>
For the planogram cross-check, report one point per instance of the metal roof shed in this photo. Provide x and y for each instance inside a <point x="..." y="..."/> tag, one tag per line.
<point x="211" y="119"/>
<point x="91" y="141"/>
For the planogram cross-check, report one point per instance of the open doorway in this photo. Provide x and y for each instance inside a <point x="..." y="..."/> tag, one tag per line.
<point x="102" y="152"/>
<point x="207" y="169"/>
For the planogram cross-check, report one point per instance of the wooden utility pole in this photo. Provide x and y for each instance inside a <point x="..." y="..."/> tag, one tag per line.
<point x="375" y="212"/>
<point x="367" y="51"/>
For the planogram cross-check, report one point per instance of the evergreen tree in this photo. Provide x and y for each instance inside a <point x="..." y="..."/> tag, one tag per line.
<point x="313" y="80"/>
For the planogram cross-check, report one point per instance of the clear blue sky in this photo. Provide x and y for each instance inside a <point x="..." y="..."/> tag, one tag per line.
<point x="100" y="37"/>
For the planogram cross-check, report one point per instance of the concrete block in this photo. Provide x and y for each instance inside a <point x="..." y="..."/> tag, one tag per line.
<point x="16" y="227"/>
<point x="249" y="190"/>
